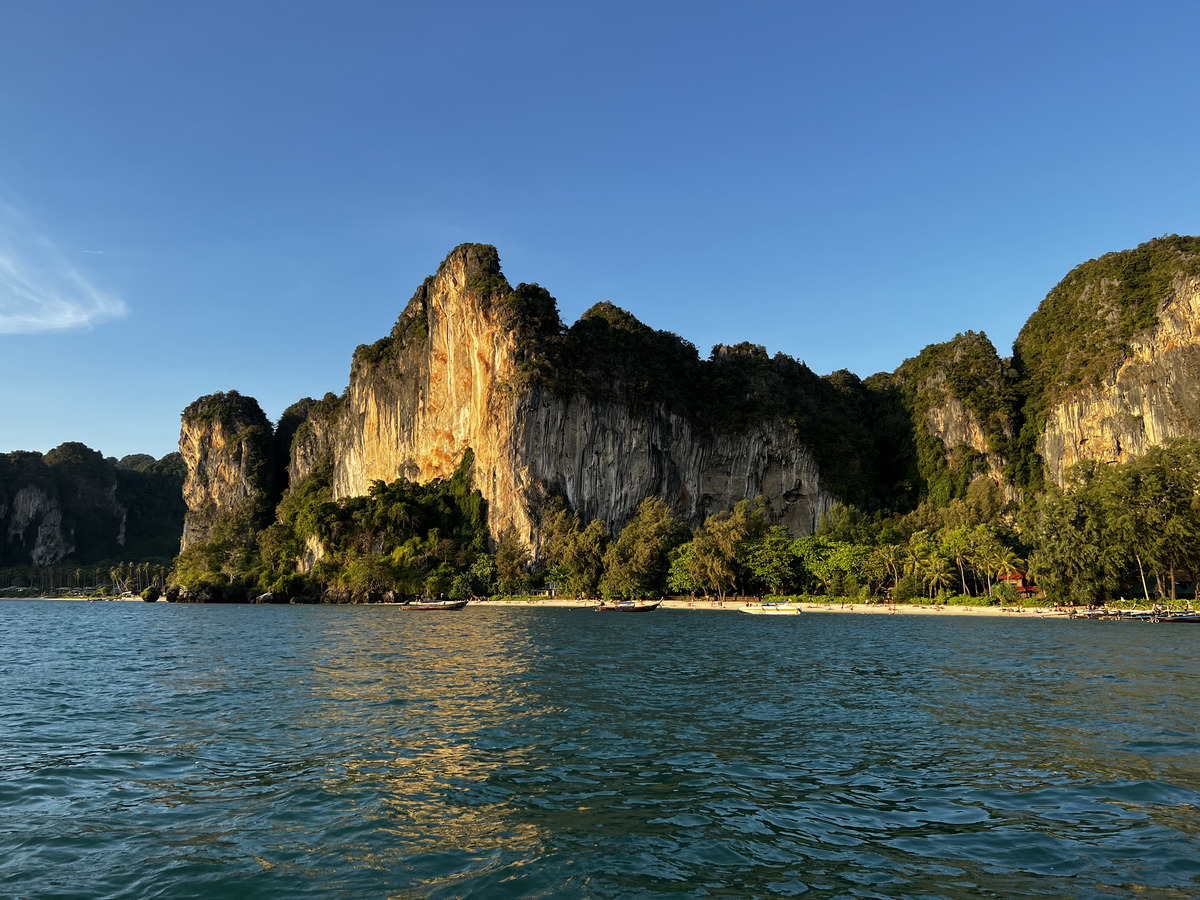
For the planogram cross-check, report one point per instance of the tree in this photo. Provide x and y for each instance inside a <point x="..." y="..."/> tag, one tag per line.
<point x="926" y="562"/>
<point x="715" y="551"/>
<point x="512" y="557"/>
<point x="574" y="556"/>
<point x="956" y="544"/>
<point x="891" y="558"/>
<point x="771" y="562"/>
<point x="683" y="576"/>
<point x="1072" y="560"/>
<point x="637" y="562"/>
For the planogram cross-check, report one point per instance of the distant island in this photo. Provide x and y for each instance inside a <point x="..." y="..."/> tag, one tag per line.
<point x="483" y="447"/>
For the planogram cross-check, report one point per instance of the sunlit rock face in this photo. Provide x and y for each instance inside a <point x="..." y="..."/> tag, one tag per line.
<point x="450" y="379"/>
<point x="951" y="422"/>
<point x="225" y="441"/>
<point x="1151" y="397"/>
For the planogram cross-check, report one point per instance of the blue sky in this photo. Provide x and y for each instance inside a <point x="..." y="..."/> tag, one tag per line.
<point x="198" y="197"/>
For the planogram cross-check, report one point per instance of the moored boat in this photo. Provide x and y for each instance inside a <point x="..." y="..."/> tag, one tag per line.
<point x="770" y="609"/>
<point x="434" y="604"/>
<point x="1179" y="618"/>
<point x="629" y="606"/>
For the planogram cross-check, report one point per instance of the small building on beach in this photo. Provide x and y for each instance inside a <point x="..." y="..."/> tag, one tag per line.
<point x="1023" y="583"/>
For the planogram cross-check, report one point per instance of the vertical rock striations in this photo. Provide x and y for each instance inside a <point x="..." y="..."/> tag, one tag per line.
<point x="961" y="398"/>
<point x="608" y="412"/>
<point x="1150" y="397"/>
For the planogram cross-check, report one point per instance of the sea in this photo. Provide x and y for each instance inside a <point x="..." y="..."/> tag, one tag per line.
<point x="208" y="751"/>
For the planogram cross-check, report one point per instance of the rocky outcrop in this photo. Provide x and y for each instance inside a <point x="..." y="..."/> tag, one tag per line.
<point x="313" y="553"/>
<point x="1149" y="398"/>
<point x="960" y="393"/>
<point x="227" y="444"/>
<point x="607" y="412"/>
<point x="956" y="425"/>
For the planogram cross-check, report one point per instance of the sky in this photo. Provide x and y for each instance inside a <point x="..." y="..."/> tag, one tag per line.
<point x="200" y="197"/>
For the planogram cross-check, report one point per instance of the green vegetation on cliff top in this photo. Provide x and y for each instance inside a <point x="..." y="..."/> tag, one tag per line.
<point x="246" y="424"/>
<point x="1082" y="330"/>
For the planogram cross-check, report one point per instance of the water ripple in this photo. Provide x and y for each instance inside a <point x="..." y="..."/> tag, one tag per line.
<point x="174" y="751"/>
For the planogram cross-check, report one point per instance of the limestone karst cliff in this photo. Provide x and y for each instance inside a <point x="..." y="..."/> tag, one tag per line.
<point x="961" y="397"/>
<point x="607" y="411"/>
<point x="474" y="364"/>
<point x="1151" y="396"/>
<point x="1110" y="361"/>
<point x="227" y="445"/>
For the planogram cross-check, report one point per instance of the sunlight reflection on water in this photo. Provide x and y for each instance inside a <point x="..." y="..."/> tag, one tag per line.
<point x="200" y="751"/>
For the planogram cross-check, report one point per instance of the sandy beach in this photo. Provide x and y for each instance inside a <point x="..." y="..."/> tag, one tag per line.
<point x="732" y="605"/>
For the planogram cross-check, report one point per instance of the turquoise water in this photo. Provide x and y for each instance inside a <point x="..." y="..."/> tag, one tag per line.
<point x="154" y="750"/>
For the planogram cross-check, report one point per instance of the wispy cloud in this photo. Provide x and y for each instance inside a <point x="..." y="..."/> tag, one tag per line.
<point x="40" y="290"/>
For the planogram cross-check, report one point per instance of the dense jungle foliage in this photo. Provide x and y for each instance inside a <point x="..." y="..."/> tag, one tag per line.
<point x="1129" y="530"/>
<point x="401" y="540"/>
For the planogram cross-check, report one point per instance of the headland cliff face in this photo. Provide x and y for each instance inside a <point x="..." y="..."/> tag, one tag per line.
<point x="59" y="505"/>
<point x="73" y="505"/>
<point x="226" y="443"/>
<point x="1146" y="399"/>
<point x="455" y="374"/>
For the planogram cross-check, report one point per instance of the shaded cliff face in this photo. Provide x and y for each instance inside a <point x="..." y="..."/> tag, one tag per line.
<point x="227" y="444"/>
<point x="1151" y="396"/>
<point x="59" y="505"/>
<point x="606" y="459"/>
<point x="466" y="367"/>
<point x="35" y="524"/>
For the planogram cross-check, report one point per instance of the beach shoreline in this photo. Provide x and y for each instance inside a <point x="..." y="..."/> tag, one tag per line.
<point x="714" y="605"/>
<point x="874" y="609"/>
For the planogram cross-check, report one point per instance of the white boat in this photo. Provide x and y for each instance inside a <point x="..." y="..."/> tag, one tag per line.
<point x="770" y="609"/>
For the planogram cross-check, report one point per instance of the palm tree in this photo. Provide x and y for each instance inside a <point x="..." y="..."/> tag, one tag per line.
<point x="957" y="543"/>
<point x="935" y="572"/>
<point x="893" y="557"/>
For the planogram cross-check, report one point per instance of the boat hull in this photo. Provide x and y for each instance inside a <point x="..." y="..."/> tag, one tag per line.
<point x="766" y="609"/>
<point x="629" y="607"/>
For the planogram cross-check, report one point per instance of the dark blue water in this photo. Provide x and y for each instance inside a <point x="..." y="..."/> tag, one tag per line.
<point x="215" y="751"/>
